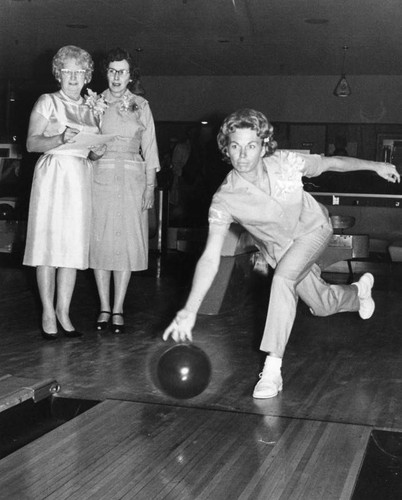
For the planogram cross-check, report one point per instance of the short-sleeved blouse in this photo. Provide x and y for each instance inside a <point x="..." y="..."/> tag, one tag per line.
<point x="280" y="213"/>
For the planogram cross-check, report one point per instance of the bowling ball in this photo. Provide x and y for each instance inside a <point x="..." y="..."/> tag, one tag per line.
<point x="6" y="211"/>
<point x="183" y="371"/>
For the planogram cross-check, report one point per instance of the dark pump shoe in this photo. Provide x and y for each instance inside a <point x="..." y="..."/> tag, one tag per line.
<point x="102" y="325"/>
<point x="49" y="336"/>
<point x="69" y="333"/>
<point x="117" y="328"/>
<point x="72" y="333"/>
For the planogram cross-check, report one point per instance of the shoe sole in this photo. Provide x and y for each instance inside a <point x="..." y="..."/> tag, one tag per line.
<point x="368" y="315"/>
<point x="370" y="278"/>
<point x="262" y="396"/>
<point x="367" y="277"/>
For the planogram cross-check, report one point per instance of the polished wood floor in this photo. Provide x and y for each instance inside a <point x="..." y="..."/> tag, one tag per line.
<point x="342" y="379"/>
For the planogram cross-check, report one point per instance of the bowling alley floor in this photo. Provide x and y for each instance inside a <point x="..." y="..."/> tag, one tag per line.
<point x="342" y="382"/>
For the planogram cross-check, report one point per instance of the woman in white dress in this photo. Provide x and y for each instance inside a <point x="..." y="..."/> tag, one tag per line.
<point x="123" y="190"/>
<point x="60" y="205"/>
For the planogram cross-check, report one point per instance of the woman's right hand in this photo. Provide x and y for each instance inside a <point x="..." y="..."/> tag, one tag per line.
<point x="97" y="152"/>
<point x="180" y="329"/>
<point x="69" y="134"/>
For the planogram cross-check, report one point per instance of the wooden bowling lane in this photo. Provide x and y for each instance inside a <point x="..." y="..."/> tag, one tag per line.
<point x="147" y="451"/>
<point x="340" y="369"/>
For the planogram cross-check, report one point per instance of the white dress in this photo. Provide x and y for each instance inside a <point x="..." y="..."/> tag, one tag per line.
<point x="60" y="205"/>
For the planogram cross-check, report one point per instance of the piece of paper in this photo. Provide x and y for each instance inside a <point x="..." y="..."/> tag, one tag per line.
<point x="84" y="140"/>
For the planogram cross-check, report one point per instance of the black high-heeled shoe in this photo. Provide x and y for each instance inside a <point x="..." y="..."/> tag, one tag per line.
<point x="48" y="336"/>
<point x="69" y="333"/>
<point x="102" y="325"/>
<point x="72" y="333"/>
<point x="117" y="328"/>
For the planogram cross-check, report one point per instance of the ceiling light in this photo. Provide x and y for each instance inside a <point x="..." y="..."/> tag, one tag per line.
<point x="342" y="88"/>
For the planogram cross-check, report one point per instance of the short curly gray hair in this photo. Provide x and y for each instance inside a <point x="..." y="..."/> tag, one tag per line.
<point x="82" y="57"/>
<point x="247" y="118"/>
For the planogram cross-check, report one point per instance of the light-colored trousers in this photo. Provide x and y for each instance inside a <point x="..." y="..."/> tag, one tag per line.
<point x="297" y="275"/>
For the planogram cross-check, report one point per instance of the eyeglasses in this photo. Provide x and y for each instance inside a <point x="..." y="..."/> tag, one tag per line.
<point x="73" y="72"/>
<point x="120" y="72"/>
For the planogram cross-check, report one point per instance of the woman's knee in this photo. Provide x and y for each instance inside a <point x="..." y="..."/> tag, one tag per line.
<point x="284" y="283"/>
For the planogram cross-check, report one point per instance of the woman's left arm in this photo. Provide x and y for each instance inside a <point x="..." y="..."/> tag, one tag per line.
<point x="150" y="152"/>
<point x="346" y="164"/>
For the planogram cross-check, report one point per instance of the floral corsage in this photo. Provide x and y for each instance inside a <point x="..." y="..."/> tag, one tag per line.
<point x="128" y="105"/>
<point x="290" y="175"/>
<point x="96" y="102"/>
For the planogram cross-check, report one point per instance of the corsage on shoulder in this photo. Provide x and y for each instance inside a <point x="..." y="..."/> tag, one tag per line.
<point x="293" y="162"/>
<point x="96" y="102"/>
<point x="290" y="174"/>
<point x="128" y="105"/>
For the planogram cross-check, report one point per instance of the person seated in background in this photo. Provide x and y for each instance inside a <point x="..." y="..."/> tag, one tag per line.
<point x="340" y="145"/>
<point x="264" y="193"/>
<point x="188" y="190"/>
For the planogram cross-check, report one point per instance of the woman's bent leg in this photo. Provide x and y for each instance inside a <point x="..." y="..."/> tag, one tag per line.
<point x="325" y="299"/>
<point x="293" y="267"/>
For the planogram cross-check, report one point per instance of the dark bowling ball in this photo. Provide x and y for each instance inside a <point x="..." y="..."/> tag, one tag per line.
<point x="6" y="211"/>
<point x="184" y="371"/>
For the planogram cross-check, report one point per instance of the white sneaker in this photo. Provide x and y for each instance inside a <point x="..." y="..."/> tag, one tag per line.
<point x="269" y="385"/>
<point x="364" y="287"/>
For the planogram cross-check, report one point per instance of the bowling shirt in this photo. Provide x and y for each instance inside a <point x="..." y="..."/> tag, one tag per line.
<point x="280" y="212"/>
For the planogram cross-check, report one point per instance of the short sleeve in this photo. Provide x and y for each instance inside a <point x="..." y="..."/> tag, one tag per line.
<point x="313" y="165"/>
<point x="44" y="106"/>
<point x="148" y="142"/>
<point x="218" y="213"/>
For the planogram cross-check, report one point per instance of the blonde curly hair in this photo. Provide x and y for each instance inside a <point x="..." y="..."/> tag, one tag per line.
<point x="81" y="56"/>
<point x="247" y="118"/>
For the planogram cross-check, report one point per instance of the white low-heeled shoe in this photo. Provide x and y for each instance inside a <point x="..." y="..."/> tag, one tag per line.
<point x="269" y="385"/>
<point x="364" y="287"/>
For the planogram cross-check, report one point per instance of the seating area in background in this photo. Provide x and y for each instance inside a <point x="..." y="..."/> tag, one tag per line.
<point x="344" y="246"/>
